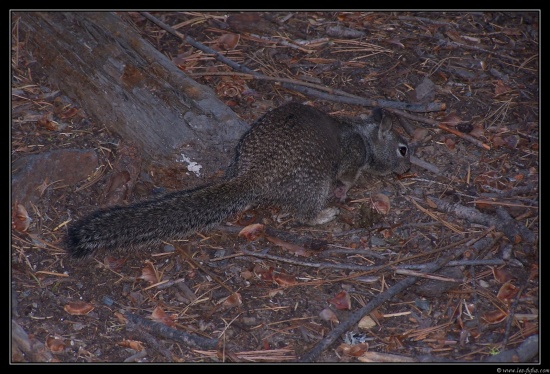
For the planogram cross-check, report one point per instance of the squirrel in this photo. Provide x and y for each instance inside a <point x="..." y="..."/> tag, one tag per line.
<point x="294" y="157"/>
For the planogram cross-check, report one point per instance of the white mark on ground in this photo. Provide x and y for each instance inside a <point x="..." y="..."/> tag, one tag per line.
<point x="192" y="166"/>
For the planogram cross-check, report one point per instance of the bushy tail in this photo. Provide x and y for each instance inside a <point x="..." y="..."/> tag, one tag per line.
<point x="171" y="216"/>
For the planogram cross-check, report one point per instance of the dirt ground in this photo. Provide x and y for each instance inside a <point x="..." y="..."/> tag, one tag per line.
<point x="224" y="297"/>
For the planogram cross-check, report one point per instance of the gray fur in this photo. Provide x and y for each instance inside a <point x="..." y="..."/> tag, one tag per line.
<point x="294" y="157"/>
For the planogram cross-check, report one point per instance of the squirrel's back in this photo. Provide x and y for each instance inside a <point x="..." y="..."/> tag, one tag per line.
<point x="295" y="157"/>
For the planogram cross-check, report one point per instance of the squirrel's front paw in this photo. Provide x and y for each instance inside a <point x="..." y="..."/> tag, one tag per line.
<point x="326" y="215"/>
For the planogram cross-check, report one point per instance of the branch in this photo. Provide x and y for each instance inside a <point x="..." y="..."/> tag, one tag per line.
<point x="337" y="96"/>
<point x="171" y="333"/>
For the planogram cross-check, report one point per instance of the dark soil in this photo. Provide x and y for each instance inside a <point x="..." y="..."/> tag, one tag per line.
<point x="295" y="284"/>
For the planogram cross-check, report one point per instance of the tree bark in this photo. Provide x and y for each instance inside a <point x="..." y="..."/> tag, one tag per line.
<point x="123" y="82"/>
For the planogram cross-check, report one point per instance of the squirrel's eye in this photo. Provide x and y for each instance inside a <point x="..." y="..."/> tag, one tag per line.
<point x="403" y="150"/>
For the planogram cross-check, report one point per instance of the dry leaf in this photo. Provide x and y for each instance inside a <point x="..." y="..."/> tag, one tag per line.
<point x="366" y="323"/>
<point x="507" y="292"/>
<point x="419" y="135"/>
<point x="263" y="273"/>
<point x="341" y="301"/>
<point x="232" y="301"/>
<point x="381" y="203"/>
<point x="501" y="275"/>
<point x="159" y="315"/>
<point x="55" y="345"/>
<point x="328" y="315"/>
<point x="149" y="273"/>
<point x="228" y="41"/>
<point x="451" y="120"/>
<point x="247" y="275"/>
<point x="450" y="143"/>
<point x="20" y="219"/>
<point x="48" y="124"/>
<point x="136" y="345"/>
<point x="291" y="247"/>
<point x="69" y="113"/>
<point x="120" y="317"/>
<point x="355" y="350"/>
<point x="273" y="293"/>
<point x="494" y="317"/>
<point x="498" y="141"/>
<point x="284" y="280"/>
<point x="78" y="308"/>
<point x="252" y="232"/>
<point x="501" y="88"/>
<point x="478" y="130"/>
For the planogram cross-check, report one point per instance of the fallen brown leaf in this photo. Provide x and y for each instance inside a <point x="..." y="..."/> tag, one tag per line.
<point x="159" y="315"/>
<point x="341" y="301"/>
<point x="355" y="350"/>
<point x="501" y="275"/>
<point x="20" y="219"/>
<point x="381" y="203"/>
<point x="291" y="247"/>
<point x="494" y="317"/>
<point x="136" y="345"/>
<point x="150" y="273"/>
<point x="232" y="301"/>
<point x="78" y="308"/>
<point x="263" y="273"/>
<point x="284" y="280"/>
<point x="507" y="292"/>
<point x="252" y="232"/>
<point x="55" y="345"/>
<point x="328" y="315"/>
<point x="228" y="42"/>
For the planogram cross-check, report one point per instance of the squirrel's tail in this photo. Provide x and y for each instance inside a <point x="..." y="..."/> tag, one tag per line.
<point x="171" y="216"/>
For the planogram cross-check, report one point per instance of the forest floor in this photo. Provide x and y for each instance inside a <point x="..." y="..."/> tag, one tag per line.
<point x="332" y="293"/>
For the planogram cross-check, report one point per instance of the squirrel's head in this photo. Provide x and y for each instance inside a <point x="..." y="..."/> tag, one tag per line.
<point x="390" y="152"/>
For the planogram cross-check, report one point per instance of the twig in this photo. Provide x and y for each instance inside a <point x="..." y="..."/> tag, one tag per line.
<point x="510" y="227"/>
<point x="319" y="265"/>
<point x="492" y="262"/>
<point x="356" y="100"/>
<point x="435" y="123"/>
<point x="171" y="333"/>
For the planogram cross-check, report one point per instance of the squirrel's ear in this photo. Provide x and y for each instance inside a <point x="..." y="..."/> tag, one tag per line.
<point x="385" y="126"/>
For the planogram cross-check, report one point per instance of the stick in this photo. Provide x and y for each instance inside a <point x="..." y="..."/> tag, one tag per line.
<point x="171" y="333"/>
